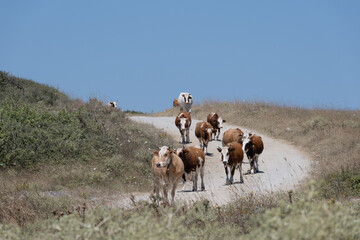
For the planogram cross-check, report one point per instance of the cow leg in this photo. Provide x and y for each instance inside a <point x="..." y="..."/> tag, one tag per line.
<point x="256" y="163"/>
<point x="165" y="193"/>
<point x="241" y="176"/>
<point x="156" y="190"/>
<point x="232" y="174"/>
<point x="227" y="175"/>
<point x="202" y="178"/>
<point x="200" y="143"/>
<point x="195" y="179"/>
<point x="205" y="147"/>
<point x="183" y="137"/>
<point x="218" y="134"/>
<point x="184" y="181"/>
<point x="187" y="135"/>
<point x="174" y="185"/>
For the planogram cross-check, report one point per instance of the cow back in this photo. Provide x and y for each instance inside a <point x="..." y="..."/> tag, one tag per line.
<point x="190" y="157"/>
<point x="233" y="135"/>
<point x="237" y="155"/>
<point x="212" y="118"/>
<point x="201" y="129"/>
<point x="256" y="144"/>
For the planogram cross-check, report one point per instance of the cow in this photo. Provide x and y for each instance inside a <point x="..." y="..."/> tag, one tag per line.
<point x="112" y="104"/>
<point x="167" y="169"/>
<point x="216" y="122"/>
<point x="233" y="135"/>
<point x="185" y="101"/>
<point x="176" y="103"/>
<point x="203" y="131"/>
<point x="232" y="157"/>
<point x="194" y="161"/>
<point x="253" y="148"/>
<point x="183" y="123"/>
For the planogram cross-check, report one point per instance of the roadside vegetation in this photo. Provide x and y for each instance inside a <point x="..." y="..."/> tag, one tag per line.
<point x="58" y="154"/>
<point x="57" y="151"/>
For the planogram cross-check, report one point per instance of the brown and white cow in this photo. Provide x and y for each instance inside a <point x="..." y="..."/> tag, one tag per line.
<point x="233" y="135"/>
<point x="253" y="149"/>
<point x="176" y="103"/>
<point x="203" y="131"/>
<point x="112" y="104"/>
<point x="167" y="168"/>
<point x="194" y="161"/>
<point x="183" y="123"/>
<point x="216" y="122"/>
<point x="232" y="157"/>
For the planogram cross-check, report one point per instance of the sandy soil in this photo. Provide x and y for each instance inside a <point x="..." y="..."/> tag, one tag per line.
<point x="281" y="165"/>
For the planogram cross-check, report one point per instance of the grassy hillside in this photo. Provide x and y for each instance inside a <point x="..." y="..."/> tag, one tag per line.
<point x="330" y="137"/>
<point x="51" y="143"/>
<point x="57" y="153"/>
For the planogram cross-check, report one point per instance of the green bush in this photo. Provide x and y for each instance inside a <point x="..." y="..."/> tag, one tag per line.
<point x="307" y="220"/>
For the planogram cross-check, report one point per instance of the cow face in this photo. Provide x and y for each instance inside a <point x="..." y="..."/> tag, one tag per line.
<point x="187" y="97"/>
<point x="208" y="134"/>
<point x="165" y="156"/>
<point x="225" y="153"/>
<point x="220" y="122"/>
<point x="183" y="124"/>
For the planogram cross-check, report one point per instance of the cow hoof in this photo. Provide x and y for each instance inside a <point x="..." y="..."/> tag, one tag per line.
<point x="194" y="190"/>
<point x="202" y="189"/>
<point x="228" y="183"/>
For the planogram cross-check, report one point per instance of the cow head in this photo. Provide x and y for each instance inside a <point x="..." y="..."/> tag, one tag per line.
<point x="220" y="122"/>
<point x="183" y="124"/>
<point x="165" y="156"/>
<point x="207" y="133"/>
<point x="181" y="152"/>
<point x="225" y="153"/>
<point x="187" y="97"/>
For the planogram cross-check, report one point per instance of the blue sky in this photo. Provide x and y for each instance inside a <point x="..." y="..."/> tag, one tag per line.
<point x="144" y="53"/>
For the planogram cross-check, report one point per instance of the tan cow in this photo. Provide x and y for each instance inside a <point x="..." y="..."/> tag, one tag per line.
<point x="232" y="157"/>
<point x="168" y="169"/>
<point x="194" y="161"/>
<point x="183" y="123"/>
<point x="203" y="131"/>
<point x="253" y="149"/>
<point x="216" y="122"/>
<point x="233" y="135"/>
<point x="176" y="103"/>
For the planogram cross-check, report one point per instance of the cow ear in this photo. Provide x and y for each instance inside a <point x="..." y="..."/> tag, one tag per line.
<point x="156" y="153"/>
<point x="219" y="149"/>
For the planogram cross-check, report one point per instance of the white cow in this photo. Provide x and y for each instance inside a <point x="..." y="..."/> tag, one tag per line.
<point x="185" y="101"/>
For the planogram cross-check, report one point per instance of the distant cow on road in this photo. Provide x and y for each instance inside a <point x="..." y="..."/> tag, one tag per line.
<point x="185" y="100"/>
<point x="233" y="135"/>
<point x="112" y="104"/>
<point x="232" y="157"/>
<point x="253" y="149"/>
<point x="167" y="169"/>
<point x="183" y="123"/>
<point x="203" y="131"/>
<point x="194" y="161"/>
<point x="216" y="122"/>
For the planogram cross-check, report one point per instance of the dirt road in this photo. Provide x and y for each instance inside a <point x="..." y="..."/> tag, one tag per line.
<point x="281" y="166"/>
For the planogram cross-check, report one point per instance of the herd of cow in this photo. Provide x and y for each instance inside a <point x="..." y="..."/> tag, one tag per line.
<point x="170" y="165"/>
